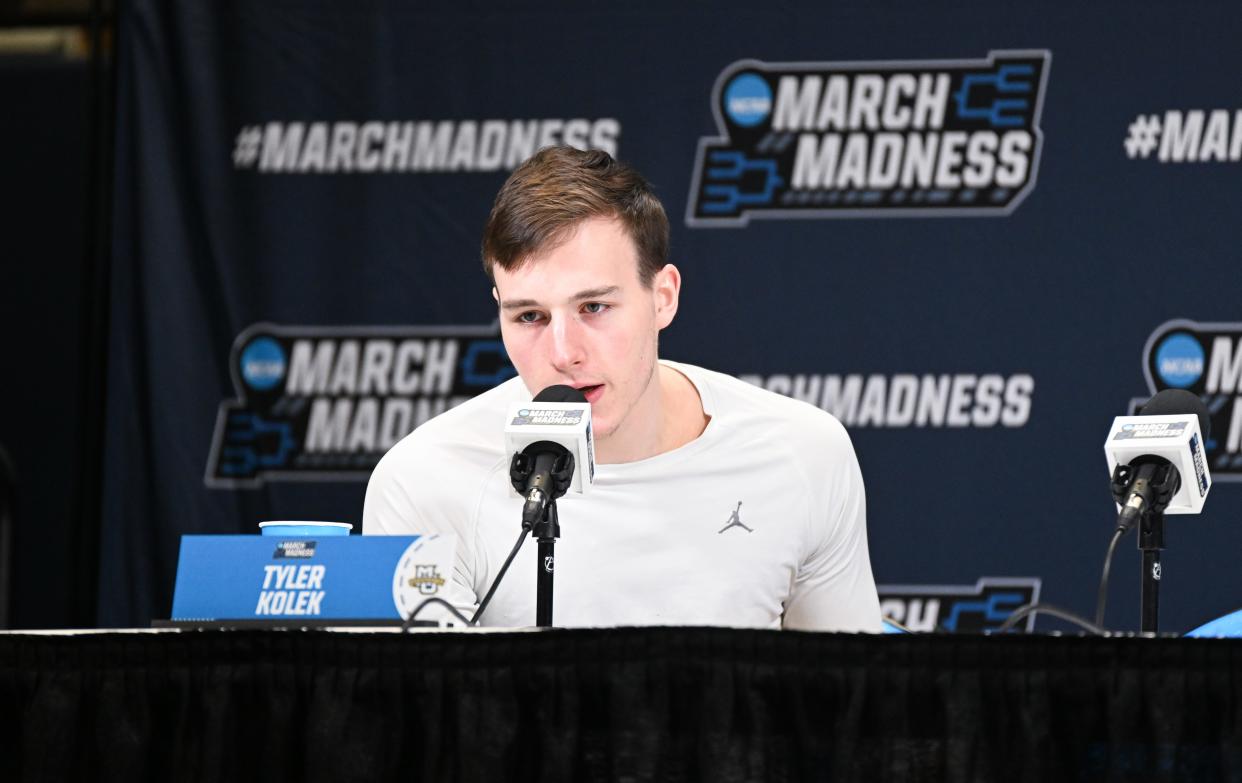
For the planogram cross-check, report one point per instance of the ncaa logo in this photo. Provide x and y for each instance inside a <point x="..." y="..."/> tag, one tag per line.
<point x="748" y="99"/>
<point x="1205" y="359"/>
<point x="1179" y="360"/>
<point x="263" y="364"/>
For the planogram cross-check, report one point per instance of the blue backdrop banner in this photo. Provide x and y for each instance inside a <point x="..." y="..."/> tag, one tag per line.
<point x="975" y="234"/>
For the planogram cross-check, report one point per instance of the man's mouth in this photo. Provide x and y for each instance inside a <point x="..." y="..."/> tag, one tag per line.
<point x="592" y="393"/>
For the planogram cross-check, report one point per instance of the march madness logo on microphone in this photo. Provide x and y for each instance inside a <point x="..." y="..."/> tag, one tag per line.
<point x="322" y="403"/>
<point x="1205" y="359"/>
<point x="873" y="139"/>
<point x="550" y="416"/>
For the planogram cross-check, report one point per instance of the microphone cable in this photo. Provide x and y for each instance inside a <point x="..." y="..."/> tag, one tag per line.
<point x="1028" y="609"/>
<point x="1101" y="596"/>
<point x="1101" y="599"/>
<point x="473" y="621"/>
<point x="496" y="582"/>
<point x="409" y="622"/>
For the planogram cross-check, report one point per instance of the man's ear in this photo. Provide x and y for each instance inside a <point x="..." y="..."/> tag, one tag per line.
<point x="665" y="289"/>
<point x="495" y="295"/>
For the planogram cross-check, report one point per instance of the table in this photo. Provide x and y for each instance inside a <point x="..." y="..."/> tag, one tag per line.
<point x="640" y="704"/>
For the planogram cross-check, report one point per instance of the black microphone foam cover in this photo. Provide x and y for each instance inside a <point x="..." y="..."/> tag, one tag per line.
<point x="562" y="393"/>
<point x="1178" y="402"/>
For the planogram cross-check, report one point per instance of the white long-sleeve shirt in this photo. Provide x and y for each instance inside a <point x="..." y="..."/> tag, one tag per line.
<point x="758" y="522"/>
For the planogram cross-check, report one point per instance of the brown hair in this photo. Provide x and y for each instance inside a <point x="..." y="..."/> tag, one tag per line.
<point x="544" y="200"/>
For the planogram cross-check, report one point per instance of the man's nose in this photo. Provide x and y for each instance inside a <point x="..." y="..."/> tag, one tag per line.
<point x="567" y="347"/>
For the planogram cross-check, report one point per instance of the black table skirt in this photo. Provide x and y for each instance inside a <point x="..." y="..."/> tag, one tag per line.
<point x="637" y="704"/>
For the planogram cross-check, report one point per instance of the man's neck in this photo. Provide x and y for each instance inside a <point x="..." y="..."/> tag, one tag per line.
<point x="668" y="418"/>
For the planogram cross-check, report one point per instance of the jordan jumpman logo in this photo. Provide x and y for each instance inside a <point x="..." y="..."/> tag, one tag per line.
<point x="735" y="521"/>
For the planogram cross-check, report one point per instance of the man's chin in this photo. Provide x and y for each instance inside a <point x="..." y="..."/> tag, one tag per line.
<point x="601" y="428"/>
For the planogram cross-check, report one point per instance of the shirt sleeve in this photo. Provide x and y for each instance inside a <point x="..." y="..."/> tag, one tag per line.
<point x="833" y="588"/>
<point x="395" y="507"/>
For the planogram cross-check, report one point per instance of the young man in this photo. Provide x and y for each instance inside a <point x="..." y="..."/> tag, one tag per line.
<point x="714" y="503"/>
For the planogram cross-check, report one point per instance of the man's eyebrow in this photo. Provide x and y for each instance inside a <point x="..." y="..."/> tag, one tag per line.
<point x="593" y="293"/>
<point x="597" y="293"/>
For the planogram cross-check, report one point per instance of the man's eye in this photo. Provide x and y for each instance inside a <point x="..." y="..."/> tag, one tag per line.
<point x="595" y="307"/>
<point x="528" y="317"/>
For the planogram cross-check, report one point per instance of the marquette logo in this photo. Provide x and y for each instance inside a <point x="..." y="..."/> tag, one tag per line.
<point x="318" y="403"/>
<point x="871" y="139"/>
<point x="959" y="608"/>
<point x="1206" y="359"/>
<point x="426" y="579"/>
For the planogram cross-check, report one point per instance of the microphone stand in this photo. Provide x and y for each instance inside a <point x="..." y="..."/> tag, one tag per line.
<point x="542" y="472"/>
<point x="546" y="531"/>
<point x="1144" y="489"/>
<point x="1150" y="542"/>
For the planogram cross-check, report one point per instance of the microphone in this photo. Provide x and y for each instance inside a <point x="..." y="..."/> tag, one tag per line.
<point x="550" y="448"/>
<point x="1156" y="458"/>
